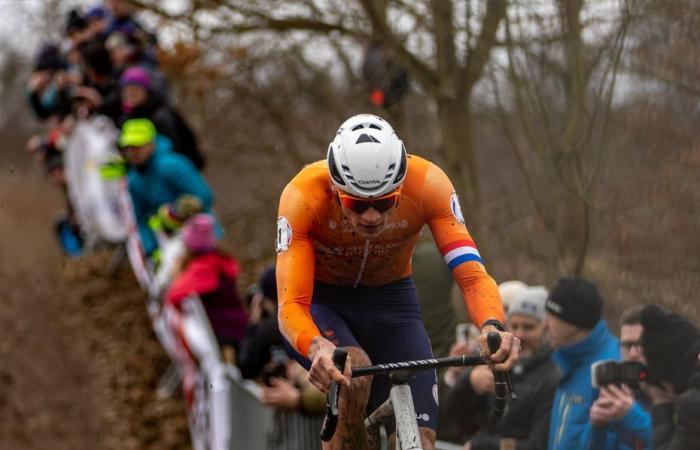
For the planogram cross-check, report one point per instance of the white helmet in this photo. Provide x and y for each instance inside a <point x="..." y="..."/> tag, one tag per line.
<point x="366" y="158"/>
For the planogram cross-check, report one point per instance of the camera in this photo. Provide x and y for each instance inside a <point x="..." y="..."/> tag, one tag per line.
<point x="610" y="371"/>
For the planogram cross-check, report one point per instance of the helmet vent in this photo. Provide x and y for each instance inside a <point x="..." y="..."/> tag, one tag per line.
<point x="376" y="127"/>
<point x="402" y="167"/>
<point x="366" y="138"/>
<point x="334" y="170"/>
<point x="358" y="127"/>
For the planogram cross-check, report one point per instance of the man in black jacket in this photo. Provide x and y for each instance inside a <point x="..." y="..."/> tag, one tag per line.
<point x="671" y="346"/>
<point x="526" y="422"/>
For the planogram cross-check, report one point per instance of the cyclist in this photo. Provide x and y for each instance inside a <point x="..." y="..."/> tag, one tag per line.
<point x="346" y="231"/>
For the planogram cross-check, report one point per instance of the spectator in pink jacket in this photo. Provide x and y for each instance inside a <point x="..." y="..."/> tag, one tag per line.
<point x="210" y="274"/>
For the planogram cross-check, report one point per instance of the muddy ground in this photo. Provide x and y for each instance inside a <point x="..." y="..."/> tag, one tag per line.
<point x="78" y="361"/>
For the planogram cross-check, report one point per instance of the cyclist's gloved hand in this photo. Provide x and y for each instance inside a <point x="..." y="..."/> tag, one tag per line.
<point x="322" y="368"/>
<point x="507" y="355"/>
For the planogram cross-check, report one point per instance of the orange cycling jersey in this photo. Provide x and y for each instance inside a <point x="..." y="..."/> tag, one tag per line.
<point x="316" y="242"/>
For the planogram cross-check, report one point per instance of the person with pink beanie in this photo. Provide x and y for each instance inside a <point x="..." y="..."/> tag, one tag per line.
<point x="211" y="274"/>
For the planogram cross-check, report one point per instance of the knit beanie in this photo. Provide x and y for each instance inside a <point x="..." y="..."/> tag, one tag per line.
<point x="671" y="344"/>
<point x="509" y="290"/>
<point x="198" y="234"/>
<point x="576" y="301"/>
<point x="135" y="75"/>
<point x="529" y="302"/>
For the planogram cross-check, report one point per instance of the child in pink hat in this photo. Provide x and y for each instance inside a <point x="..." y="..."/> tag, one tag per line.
<point x="211" y="274"/>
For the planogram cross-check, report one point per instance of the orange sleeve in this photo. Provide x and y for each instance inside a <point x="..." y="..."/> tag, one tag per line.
<point x="444" y="216"/>
<point x="295" y="269"/>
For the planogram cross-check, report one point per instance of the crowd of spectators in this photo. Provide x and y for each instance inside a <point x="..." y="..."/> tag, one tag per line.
<point x="107" y="65"/>
<point x="650" y="401"/>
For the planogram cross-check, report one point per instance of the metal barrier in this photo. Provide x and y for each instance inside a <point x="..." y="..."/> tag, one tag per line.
<point x="255" y="426"/>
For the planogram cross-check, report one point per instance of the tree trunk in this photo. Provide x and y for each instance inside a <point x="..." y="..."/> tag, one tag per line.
<point x="457" y="149"/>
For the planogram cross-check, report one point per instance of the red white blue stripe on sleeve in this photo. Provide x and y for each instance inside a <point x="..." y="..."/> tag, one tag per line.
<point x="460" y="252"/>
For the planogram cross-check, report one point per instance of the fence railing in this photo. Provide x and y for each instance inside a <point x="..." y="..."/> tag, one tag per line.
<point x="255" y="426"/>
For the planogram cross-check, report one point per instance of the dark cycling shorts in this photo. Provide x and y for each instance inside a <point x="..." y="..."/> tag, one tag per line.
<point x="385" y="321"/>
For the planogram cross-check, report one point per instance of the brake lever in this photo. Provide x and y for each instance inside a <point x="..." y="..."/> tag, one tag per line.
<point x="330" y="422"/>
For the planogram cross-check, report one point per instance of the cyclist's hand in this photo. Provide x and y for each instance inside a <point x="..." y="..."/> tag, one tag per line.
<point x="507" y="355"/>
<point x="322" y="367"/>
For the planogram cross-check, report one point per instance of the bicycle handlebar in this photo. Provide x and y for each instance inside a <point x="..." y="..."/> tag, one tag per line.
<point x="503" y="382"/>
<point x="421" y="364"/>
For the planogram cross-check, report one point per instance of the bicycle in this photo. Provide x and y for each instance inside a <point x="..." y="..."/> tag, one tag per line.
<point x="400" y="402"/>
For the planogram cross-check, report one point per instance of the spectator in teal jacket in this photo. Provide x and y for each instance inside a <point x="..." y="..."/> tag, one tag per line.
<point x="579" y="338"/>
<point x="158" y="178"/>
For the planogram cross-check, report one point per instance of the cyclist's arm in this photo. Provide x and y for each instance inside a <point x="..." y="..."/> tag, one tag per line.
<point x="295" y="269"/>
<point x="458" y="249"/>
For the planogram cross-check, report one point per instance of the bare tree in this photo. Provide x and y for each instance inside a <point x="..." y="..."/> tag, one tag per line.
<point x="556" y="110"/>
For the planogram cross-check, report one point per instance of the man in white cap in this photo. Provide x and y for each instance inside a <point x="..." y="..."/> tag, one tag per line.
<point x="526" y="422"/>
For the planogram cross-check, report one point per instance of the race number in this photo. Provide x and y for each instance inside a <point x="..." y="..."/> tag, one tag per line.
<point x="284" y="235"/>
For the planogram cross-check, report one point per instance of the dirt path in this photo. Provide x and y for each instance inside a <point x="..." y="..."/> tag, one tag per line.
<point x="78" y="361"/>
<point x="46" y="398"/>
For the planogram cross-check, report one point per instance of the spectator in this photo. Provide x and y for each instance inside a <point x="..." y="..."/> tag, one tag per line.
<point x="263" y="333"/>
<point x="76" y="28"/>
<point x="525" y="424"/>
<point x="101" y="86"/>
<point x="671" y="345"/>
<point x="48" y="88"/>
<point x="157" y="176"/>
<point x="620" y="407"/>
<point x="139" y="100"/>
<point x="211" y="274"/>
<point x="126" y="51"/>
<point x="579" y="338"/>
<point x="293" y="392"/>
<point x="509" y="290"/>
<point x="122" y="20"/>
<point x="98" y="20"/>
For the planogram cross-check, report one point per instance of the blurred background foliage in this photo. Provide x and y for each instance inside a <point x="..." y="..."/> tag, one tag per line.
<point x="569" y="127"/>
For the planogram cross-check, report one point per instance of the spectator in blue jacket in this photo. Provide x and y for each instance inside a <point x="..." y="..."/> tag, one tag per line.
<point x="579" y="338"/>
<point x="629" y="412"/>
<point x="158" y="177"/>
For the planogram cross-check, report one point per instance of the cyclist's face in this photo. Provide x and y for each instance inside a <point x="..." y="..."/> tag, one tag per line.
<point x="529" y="330"/>
<point x="630" y="343"/>
<point x="370" y="223"/>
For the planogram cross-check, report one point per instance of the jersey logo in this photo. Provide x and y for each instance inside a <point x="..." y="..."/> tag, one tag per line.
<point x="456" y="209"/>
<point x="284" y="235"/>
